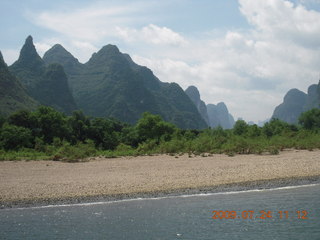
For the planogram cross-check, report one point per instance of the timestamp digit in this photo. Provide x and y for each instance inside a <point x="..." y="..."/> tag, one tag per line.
<point x="265" y="214"/>
<point x="283" y="213"/>
<point x="247" y="214"/>
<point x="222" y="214"/>
<point x="232" y="215"/>
<point x="216" y="215"/>
<point x="302" y="214"/>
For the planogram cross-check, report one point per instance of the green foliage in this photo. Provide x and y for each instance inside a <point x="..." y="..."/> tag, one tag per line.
<point x="277" y="127"/>
<point x="153" y="127"/>
<point x="51" y="124"/>
<point x="75" y="153"/>
<point x="14" y="137"/>
<point x="48" y="134"/>
<point x="240" y="127"/>
<point x="105" y="133"/>
<point x="310" y="119"/>
<point x="80" y="125"/>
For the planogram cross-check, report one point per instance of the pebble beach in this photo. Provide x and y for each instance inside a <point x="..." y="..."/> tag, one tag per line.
<point x="25" y="183"/>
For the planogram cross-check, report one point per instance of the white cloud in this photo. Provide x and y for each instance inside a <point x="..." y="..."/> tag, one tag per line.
<point x="249" y="69"/>
<point x="152" y="34"/>
<point x="42" y="47"/>
<point x="91" y="23"/>
<point x="10" y="55"/>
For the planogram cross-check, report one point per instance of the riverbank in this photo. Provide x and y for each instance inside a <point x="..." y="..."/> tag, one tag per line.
<point x="25" y="183"/>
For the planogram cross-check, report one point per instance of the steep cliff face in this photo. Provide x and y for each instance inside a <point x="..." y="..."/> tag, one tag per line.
<point x="194" y="95"/>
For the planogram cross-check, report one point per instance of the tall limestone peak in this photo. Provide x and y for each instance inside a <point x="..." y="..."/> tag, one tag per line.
<point x="194" y="95"/>
<point x="42" y="83"/>
<point x="222" y="107"/>
<point x="111" y="84"/>
<point x="292" y="106"/>
<point x="29" y="58"/>
<point x="313" y="98"/>
<point x="219" y="116"/>
<point x="58" y="54"/>
<point x="109" y="56"/>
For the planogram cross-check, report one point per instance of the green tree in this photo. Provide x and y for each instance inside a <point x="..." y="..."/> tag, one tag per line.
<point x="254" y="131"/>
<point x="153" y="127"/>
<point x="277" y="127"/>
<point x="105" y="133"/>
<point x="2" y="121"/>
<point x="240" y="127"/>
<point x="51" y="124"/>
<point x="310" y="119"/>
<point x="80" y="125"/>
<point x="23" y="118"/>
<point x="13" y="137"/>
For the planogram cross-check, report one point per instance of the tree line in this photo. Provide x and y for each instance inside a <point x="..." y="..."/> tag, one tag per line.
<point x="47" y="133"/>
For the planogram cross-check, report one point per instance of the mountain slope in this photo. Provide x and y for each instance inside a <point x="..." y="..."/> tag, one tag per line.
<point x="110" y="84"/>
<point x="13" y="96"/>
<point x="47" y="85"/>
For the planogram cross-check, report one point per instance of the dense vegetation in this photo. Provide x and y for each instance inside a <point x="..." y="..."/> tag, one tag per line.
<point x="49" y="134"/>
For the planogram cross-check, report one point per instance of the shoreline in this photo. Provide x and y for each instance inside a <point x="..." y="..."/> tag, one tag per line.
<point x="40" y="183"/>
<point x="232" y="187"/>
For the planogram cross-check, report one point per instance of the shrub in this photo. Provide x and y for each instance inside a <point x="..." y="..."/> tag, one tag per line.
<point x="310" y="119"/>
<point x="14" y="137"/>
<point x="75" y="153"/>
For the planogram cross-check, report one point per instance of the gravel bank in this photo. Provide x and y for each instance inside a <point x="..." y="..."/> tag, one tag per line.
<point x="24" y="183"/>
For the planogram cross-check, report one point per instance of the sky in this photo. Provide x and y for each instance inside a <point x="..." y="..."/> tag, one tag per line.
<point x="246" y="53"/>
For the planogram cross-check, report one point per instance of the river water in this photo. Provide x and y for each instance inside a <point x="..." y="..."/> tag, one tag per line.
<point x="280" y="213"/>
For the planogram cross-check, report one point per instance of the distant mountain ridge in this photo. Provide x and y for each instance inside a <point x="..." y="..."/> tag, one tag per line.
<point x="214" y="115"/>
<point x="219" y="116"/>
<point x="46" y="84"/>
<point x="110" y="84"/>
<point x="296" y="102"/>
